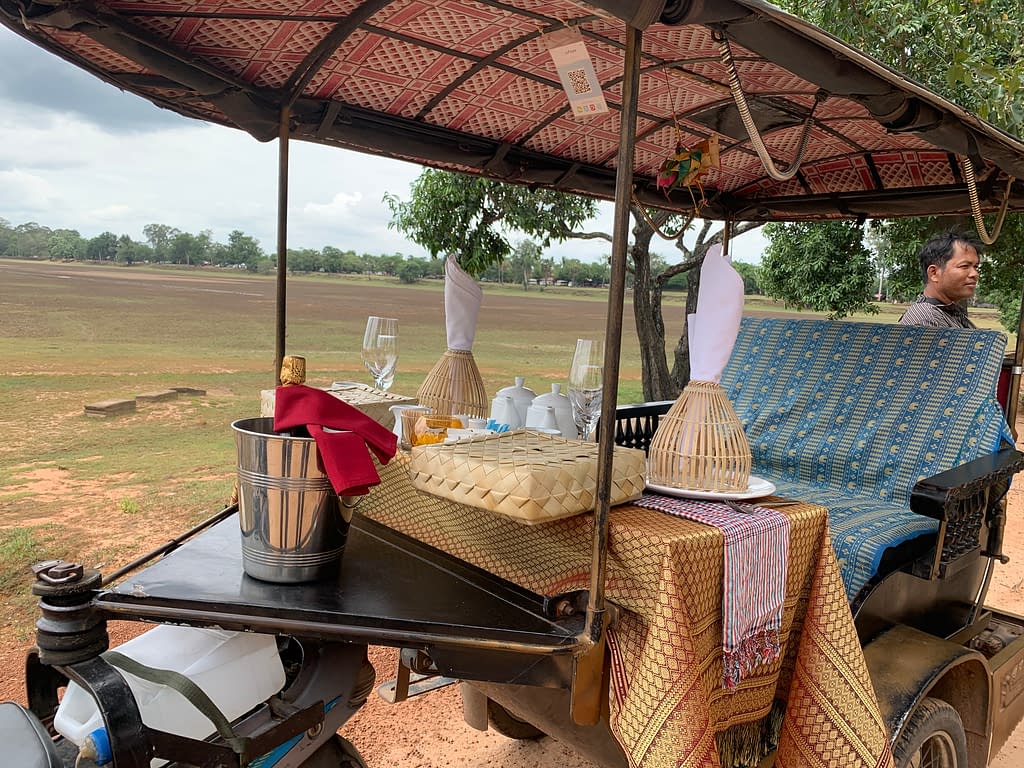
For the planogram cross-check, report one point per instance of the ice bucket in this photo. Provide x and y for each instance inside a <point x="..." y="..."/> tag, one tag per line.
<point x="293" y="524"/>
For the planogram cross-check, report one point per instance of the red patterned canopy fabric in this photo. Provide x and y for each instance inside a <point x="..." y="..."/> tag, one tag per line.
<point x="469" y="85"/>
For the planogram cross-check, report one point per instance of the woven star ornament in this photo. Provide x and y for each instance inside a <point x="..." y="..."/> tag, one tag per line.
<point x="686" y="166"/>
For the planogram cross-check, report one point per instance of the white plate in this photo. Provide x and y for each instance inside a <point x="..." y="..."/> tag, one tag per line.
<point x="756" y="488"/>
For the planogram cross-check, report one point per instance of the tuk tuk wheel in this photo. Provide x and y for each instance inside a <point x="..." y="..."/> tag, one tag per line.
<point x="510" y="726"/>
<point x="934" y="738"/>
<point x="338" y="752"/>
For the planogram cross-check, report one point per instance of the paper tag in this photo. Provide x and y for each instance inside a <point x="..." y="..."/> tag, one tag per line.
<point x="576" y="71"/>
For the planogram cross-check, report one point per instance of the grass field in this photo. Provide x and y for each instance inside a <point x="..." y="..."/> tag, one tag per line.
<point x="104" y="490"/>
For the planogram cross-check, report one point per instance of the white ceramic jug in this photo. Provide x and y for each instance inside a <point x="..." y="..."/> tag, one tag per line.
<point x="562" y="407"/>
<point x="542" y="418"/>
<point x="521" y="399"/>
<point x="503" y="411"/>
<point x="397" y="411"/>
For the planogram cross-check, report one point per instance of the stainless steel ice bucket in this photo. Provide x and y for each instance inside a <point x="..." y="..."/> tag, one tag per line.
<point x="294" y="526"/>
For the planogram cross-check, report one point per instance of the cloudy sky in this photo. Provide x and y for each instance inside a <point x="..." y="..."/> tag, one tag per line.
<point x="77" y="153"/>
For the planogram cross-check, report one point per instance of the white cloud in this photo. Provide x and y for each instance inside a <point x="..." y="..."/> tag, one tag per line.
<point x="29" y="190"/>
<point x="340" y="206"/>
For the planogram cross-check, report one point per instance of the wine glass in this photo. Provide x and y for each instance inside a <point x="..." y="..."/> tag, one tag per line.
<point x="586" y="380"/>
<point x="380" y="349"/>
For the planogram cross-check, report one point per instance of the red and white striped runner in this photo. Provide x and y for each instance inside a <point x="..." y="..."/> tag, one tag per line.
<point x="754" y="583"/>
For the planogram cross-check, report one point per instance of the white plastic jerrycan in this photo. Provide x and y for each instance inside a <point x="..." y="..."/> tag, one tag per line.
<point x="237" y="670"/>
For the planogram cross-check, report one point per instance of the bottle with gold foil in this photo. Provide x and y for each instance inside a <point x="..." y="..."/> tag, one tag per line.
<point x="293" y="370"/>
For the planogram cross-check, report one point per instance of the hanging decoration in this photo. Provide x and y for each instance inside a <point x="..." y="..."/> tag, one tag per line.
<point x="686" y="167"/>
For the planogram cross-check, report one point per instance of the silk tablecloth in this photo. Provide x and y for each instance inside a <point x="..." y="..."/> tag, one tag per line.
<point x="667" y="701"/>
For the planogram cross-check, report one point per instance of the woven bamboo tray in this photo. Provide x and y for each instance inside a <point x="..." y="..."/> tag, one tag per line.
<point x="528" y="476"/>
<point x="375" y="403"/>
<point x="700" y="443"/>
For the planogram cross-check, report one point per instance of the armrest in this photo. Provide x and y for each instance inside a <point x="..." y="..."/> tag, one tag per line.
<point x="967" y="502"/>
<point x="940" y="495"/>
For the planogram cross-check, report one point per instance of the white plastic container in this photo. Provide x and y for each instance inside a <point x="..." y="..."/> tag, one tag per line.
<point x="237" y="670"/>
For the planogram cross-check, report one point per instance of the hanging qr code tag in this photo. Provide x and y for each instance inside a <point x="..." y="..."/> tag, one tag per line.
<point x="576" y="71"/>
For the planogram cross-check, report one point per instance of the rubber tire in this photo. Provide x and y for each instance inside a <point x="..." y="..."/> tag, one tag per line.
<point x="338" y="752"/>
<point x="936" y="728"/>
<point x="510" y="726"/>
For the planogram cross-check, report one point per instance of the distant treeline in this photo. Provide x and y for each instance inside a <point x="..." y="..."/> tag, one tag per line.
<point x="168" y="245"/>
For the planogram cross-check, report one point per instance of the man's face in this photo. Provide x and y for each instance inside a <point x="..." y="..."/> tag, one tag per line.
<point x="957" y="280"/>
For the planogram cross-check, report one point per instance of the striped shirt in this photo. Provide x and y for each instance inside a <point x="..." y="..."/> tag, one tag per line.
<point x="930" y="312"/>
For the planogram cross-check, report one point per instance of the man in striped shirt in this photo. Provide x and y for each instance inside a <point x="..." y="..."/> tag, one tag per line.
<point x="949" y="267"/>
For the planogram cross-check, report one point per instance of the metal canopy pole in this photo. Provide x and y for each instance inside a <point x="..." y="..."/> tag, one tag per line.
<point x="282" y="239"/>
<point x="613" y="331"/>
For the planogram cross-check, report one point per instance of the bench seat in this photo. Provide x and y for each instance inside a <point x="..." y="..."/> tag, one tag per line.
<point x="853" y="415"/>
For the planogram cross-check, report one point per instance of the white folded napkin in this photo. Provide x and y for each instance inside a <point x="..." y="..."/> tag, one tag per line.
<point x="462" y="298"/>
<point x="712" y="329"/>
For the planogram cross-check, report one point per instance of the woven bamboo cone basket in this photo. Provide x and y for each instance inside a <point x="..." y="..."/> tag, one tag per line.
<point x="454" y="386"/>
<point x="700" y="443"/>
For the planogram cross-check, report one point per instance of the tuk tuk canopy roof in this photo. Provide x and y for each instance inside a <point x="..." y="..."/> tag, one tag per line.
<point x="471" y="86"/>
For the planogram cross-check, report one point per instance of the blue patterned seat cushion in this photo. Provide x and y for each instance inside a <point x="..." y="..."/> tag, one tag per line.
<point x="852" y="415"/>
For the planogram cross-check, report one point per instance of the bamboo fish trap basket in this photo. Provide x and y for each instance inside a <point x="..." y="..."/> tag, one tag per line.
<point x="454" y="385"/>
<point x="700" y="443"/>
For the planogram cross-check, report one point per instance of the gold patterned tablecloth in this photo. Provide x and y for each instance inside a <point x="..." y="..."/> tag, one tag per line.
<point x="667" y="700"/>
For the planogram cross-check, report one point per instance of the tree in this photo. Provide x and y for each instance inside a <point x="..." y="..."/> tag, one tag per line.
<point x="32" y="241"/>
<point x="102" y="247"/>
<point x="411" y="271"/>
<point x="822" y="266"/>
<point x="243" y="249"/>
<point x="67" y="244"/>
<point x="159" y="237"/>
<point x="970" y="52"/>
<point x="468" y="216"/>
<point x="525" y="261"/>
<point x="129" y="251"/>
<point x="186" y="248"/>
<point x="751" y="274"/>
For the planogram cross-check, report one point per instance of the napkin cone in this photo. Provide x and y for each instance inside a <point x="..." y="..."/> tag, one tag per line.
<point x="454" y="385"/>
<point x="700" y="443"/>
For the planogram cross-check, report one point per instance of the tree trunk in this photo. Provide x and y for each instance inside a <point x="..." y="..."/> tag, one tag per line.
<point x="650" y="325"/>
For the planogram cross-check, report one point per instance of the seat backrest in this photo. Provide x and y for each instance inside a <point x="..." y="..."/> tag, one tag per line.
<point x="864" y="407"/>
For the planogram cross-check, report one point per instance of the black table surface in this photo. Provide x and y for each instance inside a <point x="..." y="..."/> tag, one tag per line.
<point x="390" y="590"/>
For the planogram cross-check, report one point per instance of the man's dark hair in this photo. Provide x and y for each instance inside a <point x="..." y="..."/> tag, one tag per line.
<point x="939" y="249"/>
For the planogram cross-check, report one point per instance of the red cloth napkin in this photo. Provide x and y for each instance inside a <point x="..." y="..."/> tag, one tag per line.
<point x="343" y="456"/>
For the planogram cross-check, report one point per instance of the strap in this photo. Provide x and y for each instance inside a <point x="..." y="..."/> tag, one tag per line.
<point x="192" y="693"/>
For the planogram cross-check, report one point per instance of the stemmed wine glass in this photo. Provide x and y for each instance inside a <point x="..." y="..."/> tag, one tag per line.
<point x="586" y="377"/>
<point x="380" y="350"/>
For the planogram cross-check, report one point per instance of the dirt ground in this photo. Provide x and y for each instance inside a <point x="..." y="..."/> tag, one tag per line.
<point x="427" y="732"/>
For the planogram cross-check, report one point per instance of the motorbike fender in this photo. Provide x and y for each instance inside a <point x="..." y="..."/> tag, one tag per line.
<point x="906" y="664"/>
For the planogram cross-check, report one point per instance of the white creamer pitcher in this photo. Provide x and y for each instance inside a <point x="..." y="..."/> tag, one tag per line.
<point x="521" y="396"/>
<point x="397" y="410"/>
<point x="562" y="408"/>
<point x="503" y="411"/>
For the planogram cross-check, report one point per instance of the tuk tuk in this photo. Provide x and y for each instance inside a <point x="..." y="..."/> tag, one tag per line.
<point x="908" y="667"/>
